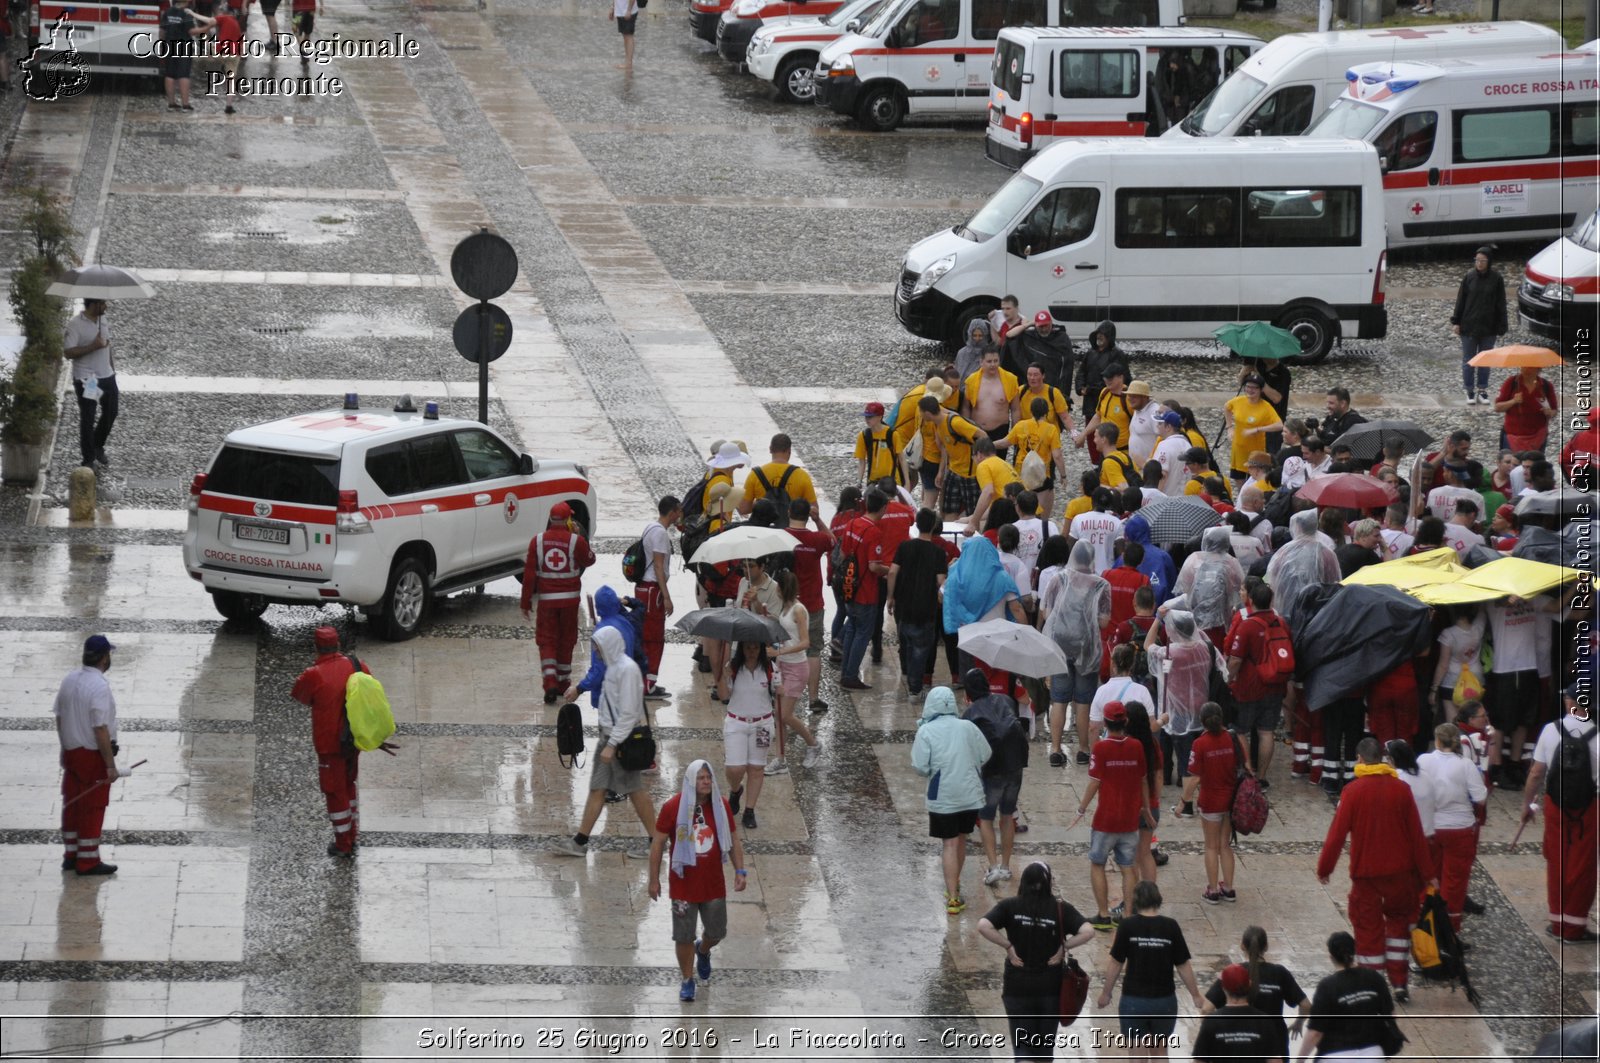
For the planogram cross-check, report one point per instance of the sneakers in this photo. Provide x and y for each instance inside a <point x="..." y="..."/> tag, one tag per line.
<point x="995" y="875"/>
<point x="228" y="109"/>
<point x="853" y="684"/>
<point x="568" y="847"/>
<point x="1471" y="906"/>
<point x="686" y="991"/>
<point x="1402" y="995"/>
<point x="612" y="797"/>
<point x="637" y="854"/>
<point x="1058" y="760"/>
<point x="1103" y="922"/>
<point x="953" y="904"/>
<point x="1227" y="892"/>
<point x="1083" y="758"/>
<point x="657" y="693"/>
<point x="1183" y="811"/>
<point x="1472" y="399"/>
<point x="749" y="820"/>
<point x="1483" y="396"/>
<point x="702" y="963"/>
<point x="818" y="705"/>
<point x="813" y="754"/>
<point x="1117" y="913"/>
<point x="68" y="863"/>
<point x="734" y="797"/>
<point x="776" y="767"/>
<point x="1159" y="857"/>
<point x="1211" y="896"/>
<point x="1263" y="783"/>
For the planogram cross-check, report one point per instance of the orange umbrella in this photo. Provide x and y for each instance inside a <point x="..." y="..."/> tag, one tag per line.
<point x="1516" y="356"/>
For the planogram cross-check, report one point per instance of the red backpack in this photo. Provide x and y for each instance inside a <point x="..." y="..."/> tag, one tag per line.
<point x="1276" y="668"/>
<point x="1249" y="808"/>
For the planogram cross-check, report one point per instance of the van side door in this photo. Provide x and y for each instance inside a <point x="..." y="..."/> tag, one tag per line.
<point x="1059" y="247"/>
<point x="1101" y="93"/>
<point x="493" y="477"/>
<point x="1414" y="194"/>
<point x="927" y="53"/>
<point x="1176" y="259"/>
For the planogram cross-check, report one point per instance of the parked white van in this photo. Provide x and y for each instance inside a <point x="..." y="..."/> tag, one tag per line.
<point x="920" y="57"/>
<point x="1047" y="84"/>
<point x="1169" y="239"/>
<point x="1476" y="149"/>
<point x="1560" y="294"/>
<point x="1288" y="83"/>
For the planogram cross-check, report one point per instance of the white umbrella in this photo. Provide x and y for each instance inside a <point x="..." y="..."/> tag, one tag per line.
<point x="737" y="544"/>
<point x="1014" y="648"/>
<point x="100" y="282"/>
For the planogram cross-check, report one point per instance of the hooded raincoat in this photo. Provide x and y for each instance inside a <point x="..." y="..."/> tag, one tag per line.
<point x="1157" y="564"/>
<point x="977" y="585"/>
<point x="1053" y="354"/>
<point x="1094" y="363"/>
<point x="1304" y="561"/>
<point x="1212" y="579"/>
<point x="950" y="752"/>
<point x="608" y="609"/>
<point x="968" y="357"/>
<point x="1080" y="611"/>
<point x="1183" y="667"/>
<point x="622" y="691"/>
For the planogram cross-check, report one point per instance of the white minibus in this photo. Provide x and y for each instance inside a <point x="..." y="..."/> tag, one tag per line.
<point x="1477" y="149"/>
<point x="1288" y="83"/>
<point x="1047" y="84"/>
<point x="1169" y="239"/>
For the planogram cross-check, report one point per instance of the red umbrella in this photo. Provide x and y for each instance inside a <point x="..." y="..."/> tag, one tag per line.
<point x="1351" y="490"/>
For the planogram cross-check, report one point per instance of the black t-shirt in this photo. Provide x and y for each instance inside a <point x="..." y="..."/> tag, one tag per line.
<point x="1240" y="1033"/>
<point x="177" y="24"/>
<point x="1276" y="377"/>
<point x="1349" y="1008"/>
<point x="1275" y="987"/>
<point x="916" y="588"/>
<point x="1035" y="929"/>
<point x="1151" y="947"/>
<point x="1352" y="558"/>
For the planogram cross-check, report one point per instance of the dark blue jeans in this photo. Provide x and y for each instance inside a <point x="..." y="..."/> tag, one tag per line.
<point x="858" y="624"/>
<point x="1471" y="345"/>
<point x="917" y="643"/>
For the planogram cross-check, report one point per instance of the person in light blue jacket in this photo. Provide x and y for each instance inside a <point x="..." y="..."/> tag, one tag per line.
<point x="951" y="753"/>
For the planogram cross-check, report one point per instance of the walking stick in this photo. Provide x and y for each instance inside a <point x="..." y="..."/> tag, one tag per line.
<point x="99" y="784"/>
<point x="1518" y="836"/>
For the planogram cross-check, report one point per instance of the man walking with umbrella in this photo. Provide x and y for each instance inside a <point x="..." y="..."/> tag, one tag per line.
<point x="86" y="342"/>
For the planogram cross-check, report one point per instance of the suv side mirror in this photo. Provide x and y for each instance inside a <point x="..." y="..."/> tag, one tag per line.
<point x="853" y="26"/>
<point x="526" y="465"/>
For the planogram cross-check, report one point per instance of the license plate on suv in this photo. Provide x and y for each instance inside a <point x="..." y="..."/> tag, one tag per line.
<point x="261" y="533"/>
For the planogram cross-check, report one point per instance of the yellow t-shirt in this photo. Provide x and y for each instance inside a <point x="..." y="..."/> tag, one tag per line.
<point x="716" y="476"/>
<point x="882" y="452"/>
<point x="1247" y="414"/>
<point x="1043" y="437"/>
<point x="1193" y="488"/>
<point x="955" y="433"/>
<point x="1052" y="395"/>
<point x="1113" y="409"/>
<point x="1008" y="384"/>
<point x="996" y="472"/>
<point x="1081" y="504"/>
<point x="799" y="485"/>
<point x="1113" y="473"/>
<point x="909" y="420"/>
<point x="1196" y="439"/>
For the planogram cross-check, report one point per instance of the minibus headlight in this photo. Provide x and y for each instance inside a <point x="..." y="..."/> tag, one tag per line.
<point x="843" y="67"/>
<point x="1561" y="293"/>
<point x="931" y="275"/>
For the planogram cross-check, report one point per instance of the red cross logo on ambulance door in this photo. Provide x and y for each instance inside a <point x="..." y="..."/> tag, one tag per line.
<point x="933" y="73"/>
<point x="511" y="507"/>
<point x="1416" y="208"/>
<point x="1058" y="271"/>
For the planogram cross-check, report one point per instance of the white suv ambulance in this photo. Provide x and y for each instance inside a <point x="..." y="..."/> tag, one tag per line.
<point x="380" y="510"/>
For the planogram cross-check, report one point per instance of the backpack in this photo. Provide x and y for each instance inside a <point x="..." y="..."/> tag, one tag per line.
<point x="1034" y="471"/>
<point x="1249" y="803"/>
<point x="1570" y="782"/>
<point x="779" y="492"/>
<point x="1279" y="508"/>
<point x="1141" y="657"/>
<point x="634" y="563"/>
<point x="694" y="501"/>
<point x="1008" y="751"/>
<point x="872" y="446"/>
<point x="846" y="566"/>
<point x="1435" y="947"/>
<point x="569" y="735"/>
<point x="694" y="537"/>
<point x="1278" y="667"/>
<point x="366" y="709"/>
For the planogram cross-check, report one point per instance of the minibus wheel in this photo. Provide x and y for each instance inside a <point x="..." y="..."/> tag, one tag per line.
<point x="795" y="81"/>
<point x="881" y="109"/>
<point x="1315" y="331"/>
<point x="955" y="334"/>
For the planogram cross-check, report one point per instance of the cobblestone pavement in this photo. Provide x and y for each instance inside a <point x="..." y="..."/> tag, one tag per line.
<point x="697" y="261"/>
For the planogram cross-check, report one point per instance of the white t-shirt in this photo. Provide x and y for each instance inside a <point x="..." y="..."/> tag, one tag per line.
<point x="83" y="703"/>
<point x="1031" y="534"/>
<point x="1101" y="531"/>
<point x="1457" y="786"/>
<point x="1422" y="793"/>
<point x="1459" y="642"/>
<point x="1519" y="479"/>
<point x="1120" y="688"/>
<point x="657" y="540"/>
<point x="1262" y="530"/>
<point x="1247" y="548"/>
<point x="1442" y="501"/>
<point x="1047" y="580"/>
<point x="79" y="331"/>
<point x="1515" y="631"/>
<point x="1142" y="433"/>
<point x="1020" y="573"/>
<point x="1152" y="494"/>
<point x="1544" y="750"/>
<point x="1297" y="470"/>
<point x="624" y="8"/>
<point x="749" y="693"/>
<point x="1396" y="543"/>
<point x="1462" y="538"/>
<point x="1169" y="453"/>
<point x="794" y="621"/>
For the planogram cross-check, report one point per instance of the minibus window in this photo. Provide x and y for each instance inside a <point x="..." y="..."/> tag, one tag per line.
<point x="1285" y="114"/>
<point x="1302" y="217"/>
<point x="1483" y="136"/>
<point x="1582" y="127"/>
<point x="1110" y="13"/>
<point x="1190" y="217"/>
<point x="989" y="17"/>
<point x="1408" y="141"/>
<point x="1097" y="75"/>
<point x="296" y="478"/>
<point x="1061" y="219"/>
<point x="1218" y="110"/>
<point x="1007" y="74"/>
<point x="928" y="21"/>
<point x="1004" y="205"/>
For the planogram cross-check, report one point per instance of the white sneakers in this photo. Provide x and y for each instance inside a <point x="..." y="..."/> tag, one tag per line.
<point x="996" y="875"/>
<point x="813" y="754"/>
<point x="776" y="767"/>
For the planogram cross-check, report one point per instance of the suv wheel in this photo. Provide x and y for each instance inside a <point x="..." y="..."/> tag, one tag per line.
<point x="235" y="606"/>
<point x="795" y="80"/>
<point x="406" y="602"/>
<point x="881" y="110"/>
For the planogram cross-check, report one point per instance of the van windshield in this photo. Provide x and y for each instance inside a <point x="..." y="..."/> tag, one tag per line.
<point x="1005" y="205"/>
<point x="1226" y="102"/>
<point x="1347" y="118"/>
<point x="839" y="16"/>
<point x="1587" y="235"/>
<point x="881" y="20"/>
<point x="275" y="477"/>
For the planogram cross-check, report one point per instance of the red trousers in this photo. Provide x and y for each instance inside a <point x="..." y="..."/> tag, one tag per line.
<point x="336" y="775"/>
<point x="1306" y="733"/>
<point x="1569" y="867"/>
<point x="1453" y="854"/>
<point x="556" y="632"/>
<point x="1382" y="912"/>
<point x="1392" y="713"/>
<point x="655" y="628"/>
<point x="85" y="793"/>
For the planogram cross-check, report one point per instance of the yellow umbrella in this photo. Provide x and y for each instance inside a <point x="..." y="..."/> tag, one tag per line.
<point x="1516" y="356"/>
<point x="1408" y="573"/>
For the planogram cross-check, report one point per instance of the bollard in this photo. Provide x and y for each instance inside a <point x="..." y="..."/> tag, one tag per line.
<point x="81" y="494"/>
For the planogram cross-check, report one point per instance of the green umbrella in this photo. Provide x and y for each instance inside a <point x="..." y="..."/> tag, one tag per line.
<point x="1257" y="339"/>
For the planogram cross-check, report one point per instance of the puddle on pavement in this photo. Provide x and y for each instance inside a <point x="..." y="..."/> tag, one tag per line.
<point x="304" y="222"/>
<point x="345" y="326"/>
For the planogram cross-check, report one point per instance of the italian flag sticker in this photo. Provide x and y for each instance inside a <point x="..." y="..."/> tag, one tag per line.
<point x="323" y="538"/>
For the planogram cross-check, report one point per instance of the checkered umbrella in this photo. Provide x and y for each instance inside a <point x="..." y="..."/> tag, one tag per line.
<point x="1367" y="439"/>
<point x="1178" y="520"/>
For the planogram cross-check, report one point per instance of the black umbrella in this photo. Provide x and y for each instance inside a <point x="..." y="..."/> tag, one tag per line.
<point x="1366" y="440"/>
<point x="733" y="625"/>
<point x="1360" y="633"/>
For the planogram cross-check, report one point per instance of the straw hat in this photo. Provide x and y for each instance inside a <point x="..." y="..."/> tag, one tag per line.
<point x="936" y="387"/>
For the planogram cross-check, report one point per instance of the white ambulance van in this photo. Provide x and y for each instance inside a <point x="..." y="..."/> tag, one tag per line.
<point x="1477" y="149"/>
<point x="1288" y="83"/>
<point x="784" y="51"/>
<point x="1047" y="84"/>
<point x="109" y="38"/>
<point x="1169" y="239"/>
<point x="1560" y="294"/>
<point x="384" y="510"/>
<point x="932" y="57"/>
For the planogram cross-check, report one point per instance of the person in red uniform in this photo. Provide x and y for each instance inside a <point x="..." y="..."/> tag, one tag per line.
<point x="86" y="724"/>
<point x="1389" y="863"/>
<point x="1569" y="833"/>
<point x="1392" y="704"/>
<point x="322" y="687"/>
<point x="557" y="557"/>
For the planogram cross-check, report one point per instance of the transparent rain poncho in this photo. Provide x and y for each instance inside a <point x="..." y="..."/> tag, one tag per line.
<point x="1212" y="579"/>
<point x="1082" y="607"/>
<point x="1302" y="562"/>
<point x="1183" y="667"/>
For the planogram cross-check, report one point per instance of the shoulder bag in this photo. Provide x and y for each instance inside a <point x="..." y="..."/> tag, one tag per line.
<point x="1074" y="979"/>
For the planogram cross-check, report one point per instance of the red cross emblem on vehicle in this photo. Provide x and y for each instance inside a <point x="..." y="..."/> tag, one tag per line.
<point x="933" y="73"/>
<point x="1408" y="34"/>
<point x="1416" y="207"/>
<point x="511" y="508"/>
<point x="1058" y="271"/>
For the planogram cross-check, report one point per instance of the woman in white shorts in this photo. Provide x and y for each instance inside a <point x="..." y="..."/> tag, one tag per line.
<point x="793" y="671"/>
<point x="747" y="729"/>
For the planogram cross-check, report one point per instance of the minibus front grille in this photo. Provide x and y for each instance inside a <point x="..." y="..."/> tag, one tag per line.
<point x="908" y="282"/>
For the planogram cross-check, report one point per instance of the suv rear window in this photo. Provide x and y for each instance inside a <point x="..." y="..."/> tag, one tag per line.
<point x="296" y="478"/>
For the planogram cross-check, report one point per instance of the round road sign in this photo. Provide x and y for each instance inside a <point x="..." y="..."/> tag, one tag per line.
<point x="484" y="265"/>
<point x="468" y="331"/>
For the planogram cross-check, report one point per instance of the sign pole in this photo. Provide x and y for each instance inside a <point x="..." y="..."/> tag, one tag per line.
<point x="485" y="333"/>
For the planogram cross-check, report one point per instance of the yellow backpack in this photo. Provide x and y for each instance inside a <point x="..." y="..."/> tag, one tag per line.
<point x="366" y="706"/>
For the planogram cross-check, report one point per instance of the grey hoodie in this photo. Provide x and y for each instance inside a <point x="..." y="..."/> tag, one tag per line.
<point x="968" y="357"/>
<point x="622" y="690"/>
